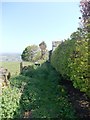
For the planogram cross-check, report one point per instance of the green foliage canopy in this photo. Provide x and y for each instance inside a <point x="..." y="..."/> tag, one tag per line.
<point x="31" y="53"/>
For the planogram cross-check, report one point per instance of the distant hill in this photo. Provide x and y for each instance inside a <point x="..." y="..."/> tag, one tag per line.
<point x="10" y="57"/>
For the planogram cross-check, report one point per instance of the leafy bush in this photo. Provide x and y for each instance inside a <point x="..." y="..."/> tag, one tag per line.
<point x="10" y="98"/>
<point x="60" y="57"/>
<point x="19" y="81"/>
<point x="79" y="66"/>
<point x="9" y="102"/>
<point x="40" y="94"/>
<point x="71" y="60"/>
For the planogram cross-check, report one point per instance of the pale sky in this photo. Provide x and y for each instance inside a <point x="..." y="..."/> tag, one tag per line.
<point x="27" y="23"/>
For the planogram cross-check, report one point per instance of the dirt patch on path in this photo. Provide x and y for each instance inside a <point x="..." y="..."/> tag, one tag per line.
<point x="79" y="100"/>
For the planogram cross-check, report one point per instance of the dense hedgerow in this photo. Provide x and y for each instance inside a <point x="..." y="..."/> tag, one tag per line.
<point x="79" y="67"/>
<point x="60" y="57"/>
<point x="71" y="59"/>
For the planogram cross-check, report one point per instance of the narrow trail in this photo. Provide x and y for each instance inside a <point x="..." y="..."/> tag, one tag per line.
<point x="79" y="100"/>
<point x="43" y="97"/>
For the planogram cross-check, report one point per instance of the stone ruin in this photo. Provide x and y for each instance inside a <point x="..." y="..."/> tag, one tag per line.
<point x="55" y="44"/>
<point x="4" y="77"/>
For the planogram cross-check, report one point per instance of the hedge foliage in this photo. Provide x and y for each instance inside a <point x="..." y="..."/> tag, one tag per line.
<point x="71" y="59"/>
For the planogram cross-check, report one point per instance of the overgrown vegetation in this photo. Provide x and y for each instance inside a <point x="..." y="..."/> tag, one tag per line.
<point x="9" y="102"/>
<point x="39" y="93"/>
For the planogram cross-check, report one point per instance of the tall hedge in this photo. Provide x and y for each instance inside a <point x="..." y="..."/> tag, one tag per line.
<point x="60" y="57"/>
<point x="71" y="59"/>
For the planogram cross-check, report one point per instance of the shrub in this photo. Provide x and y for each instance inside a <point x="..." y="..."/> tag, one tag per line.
<point x="60" y="57"/>
<point x="9" y="102"/>
<point x="79" y="67"/>
<point x="71" y="60"/>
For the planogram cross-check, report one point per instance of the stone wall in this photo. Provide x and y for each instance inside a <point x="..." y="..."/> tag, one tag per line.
<point x="4" y="76"/>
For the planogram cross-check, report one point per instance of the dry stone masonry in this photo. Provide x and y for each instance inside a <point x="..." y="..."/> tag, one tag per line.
<point x="4" y="77"/>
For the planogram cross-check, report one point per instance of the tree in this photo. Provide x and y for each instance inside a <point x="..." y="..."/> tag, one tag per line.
<point x="85" y="10"/>
<point x="31" y="53"/>
<point x="43" y="47"/>
<point x="78" y="35"/>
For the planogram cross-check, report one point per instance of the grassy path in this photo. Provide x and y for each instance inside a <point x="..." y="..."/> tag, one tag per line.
<point x="42" y="97"/>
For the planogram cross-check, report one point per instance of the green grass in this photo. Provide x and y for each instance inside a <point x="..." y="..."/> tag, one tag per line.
<point x="14" y="67"/>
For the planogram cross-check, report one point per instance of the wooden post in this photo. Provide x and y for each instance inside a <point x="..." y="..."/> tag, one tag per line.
<point x="21" y="66"/>
<point x="50" y="53"/>
<point x="0" y="86"/>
